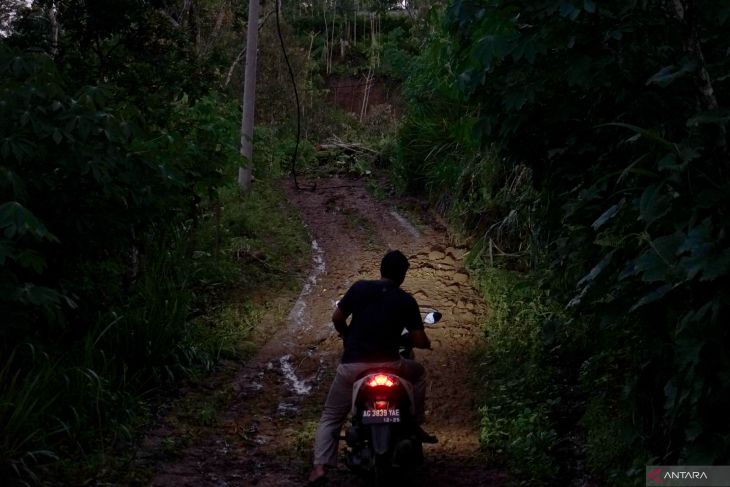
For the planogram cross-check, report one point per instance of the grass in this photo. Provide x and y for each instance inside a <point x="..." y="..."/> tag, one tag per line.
<point x="305" y="439"/>
<point x="513" y="377"/>
<point x="73" y="414"/>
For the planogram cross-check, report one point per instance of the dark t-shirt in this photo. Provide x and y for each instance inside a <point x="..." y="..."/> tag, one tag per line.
<point x="380" y="310"/>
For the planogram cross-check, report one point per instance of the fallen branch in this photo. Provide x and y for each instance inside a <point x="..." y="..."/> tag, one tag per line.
<point x="347" y="147"/>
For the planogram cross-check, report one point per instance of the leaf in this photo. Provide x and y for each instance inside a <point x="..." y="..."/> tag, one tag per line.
<point x="11" y="179"/>
<point x="37" y="295"/>
<point x="651" y="267"/>
<point x="667" y="162"/>
<point x="711" y="116"/>
<point x="688" y="154"/>
<point x="652" y="296"/>
<point x="630" y="168"/>
<point x="696" y="316"/>
<point x="630" y="270"/>
<point x="597" y="269"/>
<point x="697" y="238"/>
<point x="668" y="74"/>
<point x="607" y="215"/>
<point x="6" y="251"/>
<point x="648" y="134"/>
<point x="693" y="430"/>
<point x="31" y="259"/>
<point x="514" y="100"/>
<point x="589" y="6"/>
<point x="687" y="351"/>
<point x="667" y="245"/>
<point x="720" y="267"/>
<point x="653" y="204"/>
<point x="16" y="220"/>
<point x="700" y="244"/>
<point x="569" y="10"/>
<point x="57" y="137"/>
<point x="656" y="263"/>
<point x="707" y="257"/>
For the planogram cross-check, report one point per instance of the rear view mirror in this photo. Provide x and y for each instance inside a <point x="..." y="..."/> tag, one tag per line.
<point x="432" y="318"/>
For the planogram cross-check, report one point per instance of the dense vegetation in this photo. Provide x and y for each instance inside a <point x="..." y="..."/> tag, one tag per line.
<point x="121" y="231"/>
<point x="584" y="145"/>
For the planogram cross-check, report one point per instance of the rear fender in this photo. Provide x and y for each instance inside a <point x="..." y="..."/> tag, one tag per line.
<point x="381" y="434"/>
<point x="359" y="383"/>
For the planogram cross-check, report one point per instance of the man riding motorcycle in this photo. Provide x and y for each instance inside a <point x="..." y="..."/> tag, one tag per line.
<point x="380" y="311"/>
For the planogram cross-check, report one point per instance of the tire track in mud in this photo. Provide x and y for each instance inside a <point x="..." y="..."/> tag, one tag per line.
<point x="265" y="435"/>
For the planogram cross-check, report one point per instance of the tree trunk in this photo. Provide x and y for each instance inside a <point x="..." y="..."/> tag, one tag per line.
<point x="55" y="28"/>
<point x="245" y="171"/>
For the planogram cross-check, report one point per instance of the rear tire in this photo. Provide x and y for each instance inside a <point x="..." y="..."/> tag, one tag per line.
<point x="382" y="470"/>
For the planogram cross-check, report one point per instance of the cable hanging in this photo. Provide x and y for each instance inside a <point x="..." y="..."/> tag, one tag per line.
<point x="296" y="96"/>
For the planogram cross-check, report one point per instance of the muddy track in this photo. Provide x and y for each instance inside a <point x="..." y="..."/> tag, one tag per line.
<point x="265" y="435"/>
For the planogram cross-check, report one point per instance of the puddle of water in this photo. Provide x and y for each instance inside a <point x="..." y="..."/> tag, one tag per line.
<point x="296" y="315"/>
<point x="298" y="386"/>
<point x="406" y="224"/>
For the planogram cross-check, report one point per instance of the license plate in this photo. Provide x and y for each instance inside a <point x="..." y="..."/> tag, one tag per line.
<point x="376" y="416"/>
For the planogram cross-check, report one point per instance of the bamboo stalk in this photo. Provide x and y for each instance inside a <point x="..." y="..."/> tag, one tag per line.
<point x="366" y="94"/>
<point x="326" y="40"/>
<point x="332" y="44"/>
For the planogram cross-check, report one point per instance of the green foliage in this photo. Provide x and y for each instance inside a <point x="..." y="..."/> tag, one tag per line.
<point x="608" y="435"/>
<point x="114" y="236"/>
<point x="397" y="54"/>
<point x="518" y="415"/>
<point x="609" y="109"/>
<point x="121" y="230"/>
<point x="132" y="181"/>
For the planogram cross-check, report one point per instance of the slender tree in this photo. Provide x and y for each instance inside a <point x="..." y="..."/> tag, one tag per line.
<point x="249" y="98"/>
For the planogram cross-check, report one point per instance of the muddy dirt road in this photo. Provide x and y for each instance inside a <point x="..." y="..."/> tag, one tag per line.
<point x="265" y="436"/>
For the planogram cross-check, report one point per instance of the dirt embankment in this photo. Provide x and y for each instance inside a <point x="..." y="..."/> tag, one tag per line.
<point x="264" y="437"/>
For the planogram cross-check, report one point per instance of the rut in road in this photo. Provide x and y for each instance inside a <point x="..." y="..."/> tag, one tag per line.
<point x="266" y="433"/>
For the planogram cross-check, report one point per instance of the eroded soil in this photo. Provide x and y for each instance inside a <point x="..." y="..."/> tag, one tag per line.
<point x="265" y="434"/>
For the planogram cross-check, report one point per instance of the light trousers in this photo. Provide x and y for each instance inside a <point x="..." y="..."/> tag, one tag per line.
<point x="339" y="402"/>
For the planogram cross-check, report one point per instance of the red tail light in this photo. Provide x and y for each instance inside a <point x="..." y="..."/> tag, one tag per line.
<point x="382" y="380"/>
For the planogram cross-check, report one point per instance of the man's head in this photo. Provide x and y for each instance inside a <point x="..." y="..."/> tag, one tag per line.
<point x="394" y="266"/>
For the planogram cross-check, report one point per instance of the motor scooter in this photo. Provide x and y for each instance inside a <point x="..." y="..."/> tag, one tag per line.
<point x="384" y="439"/>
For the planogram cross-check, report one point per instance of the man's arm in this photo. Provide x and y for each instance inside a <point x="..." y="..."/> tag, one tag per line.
<point x="420" y="339"/>
<point x="414" y="325"/>
<point x="340" y="321"/>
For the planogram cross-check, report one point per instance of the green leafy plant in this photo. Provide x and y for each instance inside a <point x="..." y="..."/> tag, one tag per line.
<point x="618" y="115"/>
